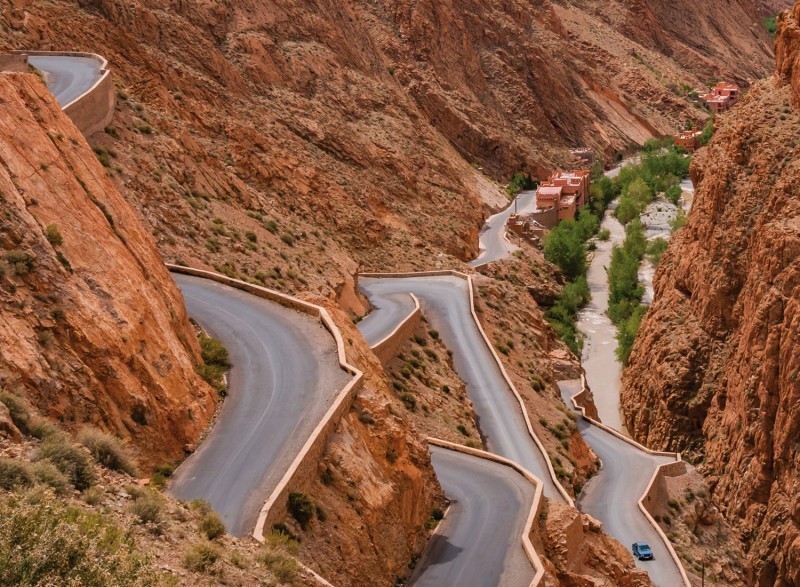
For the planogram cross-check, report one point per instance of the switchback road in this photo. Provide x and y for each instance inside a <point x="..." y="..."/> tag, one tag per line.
<point x="613" y="494"/>
<point x="445" y="302"/>
<point x="479" y="542"/>
<point x="285" y="376"/>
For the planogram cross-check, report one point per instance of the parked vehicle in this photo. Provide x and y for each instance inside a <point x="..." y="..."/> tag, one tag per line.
<point x="642" y="551"/>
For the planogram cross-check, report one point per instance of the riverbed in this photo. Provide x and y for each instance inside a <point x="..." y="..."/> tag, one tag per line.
<point x="603" y="370"/>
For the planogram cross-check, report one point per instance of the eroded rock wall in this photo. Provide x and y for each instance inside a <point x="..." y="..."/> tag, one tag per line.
<point x="715" y="368"/>
<point x="93" y="329"/>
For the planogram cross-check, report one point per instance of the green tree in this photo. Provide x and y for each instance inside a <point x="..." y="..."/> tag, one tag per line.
<point x="565" y="248"/>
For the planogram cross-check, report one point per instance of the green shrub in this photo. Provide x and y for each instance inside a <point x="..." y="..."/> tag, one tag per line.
<point x="564" y="247"/>
<point x="674" y="193"/>
<point x="69" y="459"/>
<point x="108" y="451"/>
<point x="288" y="238"/>
<point x="93" y="496"/>
<point x="160" y="475"/>
<point x="212" y="526"/>
<point x="46" y="473"/>
<point x="202" y="557"/>
<point x="42" y="429"/>
<point x="301" y="508"/>
<point x="15" y="474"/>
<point x="148" y="507"/>
<point x="201" y="506"/>
<point x="53" y="236"/>
<point x="213" y="351"/>
<point x="604" y="235"/>
<point x="655" y="250"/>
<point x="20" y="262"/>
<point x="215" y="362"/>
<point x="277" y="555"/>
<point x="45" y="542"/>
<point x="18" y="410"/>
<point x="771" y="24"/>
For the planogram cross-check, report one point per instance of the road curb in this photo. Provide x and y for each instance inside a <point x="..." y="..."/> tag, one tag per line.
<point x="468" y="278"/>
<point x="658" y="472"/>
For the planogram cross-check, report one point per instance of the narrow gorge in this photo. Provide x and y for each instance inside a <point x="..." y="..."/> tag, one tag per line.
<point x="318" y="293"/>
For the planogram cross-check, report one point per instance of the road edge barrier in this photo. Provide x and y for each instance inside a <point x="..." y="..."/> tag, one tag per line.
<point x="536" y="506"/>
<point x="659" y="472"/>
<point x="387" y="348"/>
<point x="318" y="439"/>
<point x="470" y="286"/>
<point x="93" y="110"/>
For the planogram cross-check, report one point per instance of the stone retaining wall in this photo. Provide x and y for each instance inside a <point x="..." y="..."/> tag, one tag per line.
<point x="93" y="110"/>
<point x="13" y="62"/>
<point x="387" y="349"/>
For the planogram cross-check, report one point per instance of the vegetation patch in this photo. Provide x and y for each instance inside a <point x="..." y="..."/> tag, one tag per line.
<point x="44" y="542"/>
<point x="215" y="363"/>
<point x="108" y="451"/>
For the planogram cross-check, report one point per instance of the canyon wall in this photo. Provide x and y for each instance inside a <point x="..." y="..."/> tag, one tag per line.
<point x="370" y="133"/>
<point x="93" y="329"/>
<point x="714" y="371"/>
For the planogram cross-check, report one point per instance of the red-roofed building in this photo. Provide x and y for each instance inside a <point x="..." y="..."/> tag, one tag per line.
<point x="721" y="97"/>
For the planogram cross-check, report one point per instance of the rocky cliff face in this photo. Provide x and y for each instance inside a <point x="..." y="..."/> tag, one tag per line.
<point x="341" y="135"/>
<point x="93" y="329"/>
<point x="715" y="368"/>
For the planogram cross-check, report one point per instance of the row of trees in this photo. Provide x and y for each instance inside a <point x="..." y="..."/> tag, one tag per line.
<point x="566" y="247"/>
<point x="661" y="169"/>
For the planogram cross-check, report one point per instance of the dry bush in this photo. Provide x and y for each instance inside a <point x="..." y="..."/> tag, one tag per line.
<point x="108" y="451"/>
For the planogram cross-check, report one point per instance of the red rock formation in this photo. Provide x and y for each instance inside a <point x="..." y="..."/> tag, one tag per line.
<point x="715" y="367"/>
<point x="358" y="121"/>
<point x="93" y="329"/>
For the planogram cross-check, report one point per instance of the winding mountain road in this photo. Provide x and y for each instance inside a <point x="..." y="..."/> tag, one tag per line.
<point x="479" y="542"/>
<point x="285" y="376"/>
<point x="493" y="242"/>
<point x="445" y="302"/>
<point x="67" y="77"/>
<point x="612" y="495"/>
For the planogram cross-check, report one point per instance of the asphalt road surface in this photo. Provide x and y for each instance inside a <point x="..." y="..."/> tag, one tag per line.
<point x="445" y="301"/>
<point x="285" y="376"/>
<point x="479" y="543"/>
<point x="613" y="494"/>
<point x="493" y="242"/>
<point x="388" y="311"/>
<point x="67" y="77"/>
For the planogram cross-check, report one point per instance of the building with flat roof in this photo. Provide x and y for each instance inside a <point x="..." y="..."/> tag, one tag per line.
<point x="721" y="97"/>
<point x="688" y="139"/>
<point x="566" y="191"/>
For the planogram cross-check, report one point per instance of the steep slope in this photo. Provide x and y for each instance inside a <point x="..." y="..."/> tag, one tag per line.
<point x="93" y="330"/>
<point x="339" y="134"/>
<point x="715" y="367"/>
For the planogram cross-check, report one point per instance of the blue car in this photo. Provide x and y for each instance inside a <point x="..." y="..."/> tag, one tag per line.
<point x="642" y="551"/>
